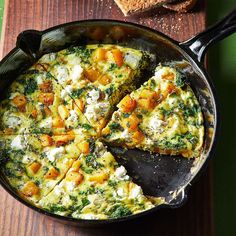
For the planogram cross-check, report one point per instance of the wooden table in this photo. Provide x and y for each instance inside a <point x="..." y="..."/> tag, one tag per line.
<point x="196" y="216"/>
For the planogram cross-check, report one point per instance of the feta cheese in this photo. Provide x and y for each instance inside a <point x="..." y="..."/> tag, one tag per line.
<point x="120" y="192"/>
<point x="73" y="117"/>
<point x="39" y="79"/>
<point x="94" y="111"/>
<point x="66" y="200"/>
<point x="120" y="173"/>
<point x="58" y="190"/>
<point x="135" y="192"/>
<point x="93" y="96"/>
<point x="18" y="143"/>
<point x="125" y="134"/>
<point x="62" y="74"/>
<point x="68" y="90"/>
<point x="11" y="121"/>
<point x="70" y="186"/>
<point x="27" y="159"/>
<point x="156" y="123"/>
<point x="132" y="60"/>
<point x="47" y="123"/>
<point x="76" y="73"/>
<point x="55" y="153"/>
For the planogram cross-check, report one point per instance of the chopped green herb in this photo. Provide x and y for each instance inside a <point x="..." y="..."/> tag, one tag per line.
<point x="119" y="211"/>
<point x="115" y="126"/>
<point x="86" y="126"/>
<point x="112" y="67"/>
<point x="77" y="93"/>
<point x="31" y="86"/>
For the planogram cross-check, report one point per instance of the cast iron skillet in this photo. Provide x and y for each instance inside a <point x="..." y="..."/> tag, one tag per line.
<point x="174" y="174"/>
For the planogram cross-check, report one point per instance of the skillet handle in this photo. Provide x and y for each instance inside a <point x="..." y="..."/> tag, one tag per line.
<point x="200" y="43"/>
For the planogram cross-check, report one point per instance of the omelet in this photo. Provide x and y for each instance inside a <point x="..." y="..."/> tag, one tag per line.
<point x="96" y="187"/>
<point x="57" y="115"/>
<point x="96" y="76"/>
<point x="162" y="116"/>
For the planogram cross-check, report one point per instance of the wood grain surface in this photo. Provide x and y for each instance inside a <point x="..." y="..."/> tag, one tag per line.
<point x="196" y="216"/>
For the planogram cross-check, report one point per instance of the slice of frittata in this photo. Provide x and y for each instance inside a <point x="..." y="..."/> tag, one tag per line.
<point x="162" y="116"/>
<point x="96" y="187"/>
<point x="34" y="164"/>
<point x="96" y="77"/>
<point x="33" y="104"/>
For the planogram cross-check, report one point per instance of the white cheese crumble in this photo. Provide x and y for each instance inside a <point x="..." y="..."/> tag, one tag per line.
<point x="18" y="143"/>
<point x="135" y="192"/>
<point x="93" y="96"/>
<point x="155" y="124"/>
<point x="62" y="74"/>
<point x="70" y="186"/>
<point x="39" y="79"/>
<point x="125" y="134"/>
<point x="76" y="73"/>
<point x="27" y="159"/>
<point x="55" y="153"/>
<point x="73" y="116"/>
<point x="68" y="90"/>
<point x="94" y="111"/>
<point x="132" y="60"/>
<point x="11" y="121"/>
<point x="46" y="123"/>
<point x="58" y="190"/>
<point x="120" y="173"/>
<point x="120" y="192"/>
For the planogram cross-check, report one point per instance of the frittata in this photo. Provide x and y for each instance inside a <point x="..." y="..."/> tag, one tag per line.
<point x="162" y="116"/>
<point x="57" y="115"/>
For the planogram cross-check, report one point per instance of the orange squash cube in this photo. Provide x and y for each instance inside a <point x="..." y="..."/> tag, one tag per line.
<point x="52" y="174"/>
<point x="138" y="136"/>
<point x="104" y="80"/>
<point x="92" y="74"/>
<point x="20" y="102"/>
<point x="99" y="54"/>
<point x="46" y="86"/>
<point x="46" y="140"/>
<point x="84" y="147"/>
<point x="57" y="122"/>
<point x="147" y="104"/>
<point x="99" y="177"/>
<point x="127" y="104"/>
<point x="30" y="189"/>
<point x="34" y="167"/>
<point x="76" y="165"/>
<point x="34" y="113"/>
<point x="118" y="57"/>
<point x="146" y="93"/>
<point x="46" y="98"/>
<point x="132" y="122"/>
<point x="75" y="177"/>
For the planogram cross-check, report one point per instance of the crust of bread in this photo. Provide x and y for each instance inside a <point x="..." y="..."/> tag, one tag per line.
<point x="129" y="7"/>
<point x="183" y="6"/>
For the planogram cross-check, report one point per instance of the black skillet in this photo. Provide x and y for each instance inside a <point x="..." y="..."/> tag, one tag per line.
<point x="161" y="175"/>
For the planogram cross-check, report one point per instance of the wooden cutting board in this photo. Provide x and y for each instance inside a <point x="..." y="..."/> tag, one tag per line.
<point x="196" y="216"/>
